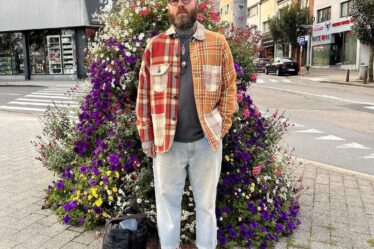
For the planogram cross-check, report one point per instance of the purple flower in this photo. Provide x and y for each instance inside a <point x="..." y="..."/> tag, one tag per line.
<point x="226" y="210"/>
<point x="66" y="219"/>
<point x="253" y="224"/>
<point x="233" y="234"/>
<point x="112" y="133"/>
<point x="81" y="148"/>
<point x="263" y="245"/>
<point x="60" y="185"/>
<point x="279" y="228"/>
<point x="70" y="206"/>
<point x="97" y="210"/>
<point x="95" y="171"/>
<point x="68" y="173"/>
<point x="114" y="162"/>
<point x="81" y="221"/>
<point x="105" y="180"/>
<point x="83" y="169"/>
<point x="291" y="225"/>
<point x="265" y="215"/>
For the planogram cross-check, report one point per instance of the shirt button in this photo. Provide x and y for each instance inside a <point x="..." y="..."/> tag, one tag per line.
<point x="176" y="76"/>
<point x="175" y="97"/>
<point x="177" y="55"/>
<point x="173" y="119"/>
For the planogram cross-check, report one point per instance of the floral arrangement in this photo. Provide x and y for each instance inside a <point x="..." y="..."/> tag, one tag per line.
<point x="103" y="170"/>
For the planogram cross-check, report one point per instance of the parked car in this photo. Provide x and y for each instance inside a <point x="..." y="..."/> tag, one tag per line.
<point x="260" y="64"/>
<point x="281" y="66"/>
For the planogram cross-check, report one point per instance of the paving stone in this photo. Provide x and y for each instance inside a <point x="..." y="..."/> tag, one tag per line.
<point x="7" y="243"/>
<point x="74" y="245"/>
<point x="96" y="244"/>
<point x="320" y="245"/>
<point x="48" y="220"/>
<point x="322" y="188"/>
<point x="342" y="242"/>
<point x="322" y="179"/>
<point x="86" y="238"/>
<point x="350" y="184"/>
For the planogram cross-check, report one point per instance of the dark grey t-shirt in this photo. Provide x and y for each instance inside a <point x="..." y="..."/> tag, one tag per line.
<point x="188" y="124"/>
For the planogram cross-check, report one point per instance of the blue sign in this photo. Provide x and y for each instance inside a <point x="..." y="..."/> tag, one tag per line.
<point x="302" y="40"/>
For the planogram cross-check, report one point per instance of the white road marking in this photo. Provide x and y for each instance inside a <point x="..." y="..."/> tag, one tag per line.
<point x="48" y="97"/>
<point x="22" y="108"/>
<point x="48" y="101"/>
<point x="260" y="81"/>
<point x="320" y="96"/>
<point x="50" y="94"/>
<point x="310" y="131"/>
<point x="286" y="80"/>
<point x="352" y="146"/>
<point x="369" y="107"/>
<point x="273" y="80"/>
<point x="39" y="104"/>
<point x="371" y="156"/>
<point x="330" y="137"/>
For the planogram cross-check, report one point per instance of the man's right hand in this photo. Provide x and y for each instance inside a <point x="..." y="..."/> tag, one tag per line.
<point x="149" y="149"/>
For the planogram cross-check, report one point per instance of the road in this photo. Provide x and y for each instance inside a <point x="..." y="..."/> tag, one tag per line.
<point x="332" y="124"/>
<point x="35" y="97"/>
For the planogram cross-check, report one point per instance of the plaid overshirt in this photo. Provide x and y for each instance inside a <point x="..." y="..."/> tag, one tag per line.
<point x="214" y="83"/>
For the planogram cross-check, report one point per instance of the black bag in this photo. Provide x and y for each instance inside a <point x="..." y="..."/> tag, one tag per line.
<point x="116" y="237"/>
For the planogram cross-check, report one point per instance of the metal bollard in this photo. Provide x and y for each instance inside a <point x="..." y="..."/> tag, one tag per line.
<point x="365" y="76"/>
<point x="347" y="77"/>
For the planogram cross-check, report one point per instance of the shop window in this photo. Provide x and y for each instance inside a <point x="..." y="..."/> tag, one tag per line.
<point x="321" y="55"/>
<point x="53" y="52"/>
<point x="11" y="54"/>
<point x="345" y="8"/>
<point x="266" y="27"/>
<point x="324" y="14"/>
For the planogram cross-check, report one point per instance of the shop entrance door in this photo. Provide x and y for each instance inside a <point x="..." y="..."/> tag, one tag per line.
<point x="337" y="49"/>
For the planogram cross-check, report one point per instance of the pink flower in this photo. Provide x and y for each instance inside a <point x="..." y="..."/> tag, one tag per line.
<point x="214" y="16"/>
<point x="145" y="12"/>
<point x="246" y="113"/>
<point x="203" y="6"/>
<point x="200" y="17"/>
<point x="256" y="170"/>
<point x="253" y="77"/>
<point x="257" y="112"/>
<point x="278" y="172"/>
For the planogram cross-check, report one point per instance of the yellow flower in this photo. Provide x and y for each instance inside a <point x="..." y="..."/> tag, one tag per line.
<point x="110" y="198"/>
<point x="94" y="192"/>
<point x="227" y="158"/>
<point x="259" y="208"/>
<point x="114" y="189"/>
<point x="85" y="192"/>
<point x="101" y="183"/>
<point x="105" y="214"/>
<point x="117" y="174"/>
<point x="89" y="197"/>
<point x="108" y="173"/>
<point x="109" y="192"/>
<point x="98" y="202"/>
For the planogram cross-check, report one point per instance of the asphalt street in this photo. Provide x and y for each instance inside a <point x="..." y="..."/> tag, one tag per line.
<point x="332" y="124"/>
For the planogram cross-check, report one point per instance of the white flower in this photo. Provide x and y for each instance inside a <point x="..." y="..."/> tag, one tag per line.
<point x="239" y="190"/>
<point x="139" y="200"/>
<point x="220" y="218"/>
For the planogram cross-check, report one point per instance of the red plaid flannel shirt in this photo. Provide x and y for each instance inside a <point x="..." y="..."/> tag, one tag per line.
<point x="214" y="82"/>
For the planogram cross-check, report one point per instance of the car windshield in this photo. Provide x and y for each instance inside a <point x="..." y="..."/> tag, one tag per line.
<point x="287" y="60"/>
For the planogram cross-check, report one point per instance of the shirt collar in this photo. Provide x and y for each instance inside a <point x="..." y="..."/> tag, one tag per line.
<point x="199" y="34"/>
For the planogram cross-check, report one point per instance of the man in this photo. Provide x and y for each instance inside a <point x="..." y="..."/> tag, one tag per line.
<point x="186" y="98"/>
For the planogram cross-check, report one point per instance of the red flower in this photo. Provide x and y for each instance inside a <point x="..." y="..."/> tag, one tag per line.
<point x="214" y="16"/>
<point x="253" y="77"/>
<point x="203" y="6"/>
<point x="145" y="12"/>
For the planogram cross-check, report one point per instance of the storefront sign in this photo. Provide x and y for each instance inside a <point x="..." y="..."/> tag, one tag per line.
<point x="317" y="27"/>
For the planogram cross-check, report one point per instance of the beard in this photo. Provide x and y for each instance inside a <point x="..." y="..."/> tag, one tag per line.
<point x="183" y="22"/>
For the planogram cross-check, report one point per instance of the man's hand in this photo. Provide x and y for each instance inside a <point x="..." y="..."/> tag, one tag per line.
<point x="149" y="148"/>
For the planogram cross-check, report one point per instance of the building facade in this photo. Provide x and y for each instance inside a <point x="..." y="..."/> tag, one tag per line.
<point x="226" y="10"/>
<point x="44" y="39"/>
<point x="334" y="45"/>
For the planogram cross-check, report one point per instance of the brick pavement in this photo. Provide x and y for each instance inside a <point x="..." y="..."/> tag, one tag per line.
<point x="337" y="207"/>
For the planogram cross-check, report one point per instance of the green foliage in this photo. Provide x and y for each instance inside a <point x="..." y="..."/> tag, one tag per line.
<point x="287" y="25"/>
<point x="362" y="12"/>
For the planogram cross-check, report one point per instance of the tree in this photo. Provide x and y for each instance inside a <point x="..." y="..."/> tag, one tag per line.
<point x="289" y="24"/>
<point x="363" y="26"/>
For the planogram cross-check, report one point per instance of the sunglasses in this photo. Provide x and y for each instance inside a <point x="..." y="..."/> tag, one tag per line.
<point x="175" y="2"/>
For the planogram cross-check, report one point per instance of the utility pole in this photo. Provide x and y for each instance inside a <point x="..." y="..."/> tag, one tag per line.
<point x="240" y="13"/>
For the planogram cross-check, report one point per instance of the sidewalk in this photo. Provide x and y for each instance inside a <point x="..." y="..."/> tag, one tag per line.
<point x="337" y="208"/>
<point x="334" y="76"/>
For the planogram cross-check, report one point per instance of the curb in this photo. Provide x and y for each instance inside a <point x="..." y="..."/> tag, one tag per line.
<point x="335" y="168"/>
<point x="348" y="84"/>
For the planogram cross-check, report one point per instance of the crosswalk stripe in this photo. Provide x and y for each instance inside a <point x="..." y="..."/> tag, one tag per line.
<point x="50" y="94"/>
<point x="273" y="80"/>
<point x="22" y="108"/>
<point x="330" y="137"/>
<point x="47" y="100"/>
<point x="47" y="97"/>
<point x="39" y="104"/>
<point x="371" y="156"/>
<point x="310" y="131"/>
<point x="369" y="107"/>
<point x="352" y="146"/>
<point x="286" y="80"/>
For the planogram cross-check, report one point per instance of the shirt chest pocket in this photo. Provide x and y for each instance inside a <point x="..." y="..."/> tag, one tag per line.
<point x="159" y="77"/>
<point x="212" y="77"/>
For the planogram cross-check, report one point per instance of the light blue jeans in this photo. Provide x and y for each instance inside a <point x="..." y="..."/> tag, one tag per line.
<point x="170" y="169"/>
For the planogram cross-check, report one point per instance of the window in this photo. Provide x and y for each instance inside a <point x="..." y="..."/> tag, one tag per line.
<point x="225" y="9"/>
<point x="324" y="15"/>
<point x="345" y="8"/>
<point x="252" y="11"/>
<point x="266" y="27"/>
<point x="11" y="54"/>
